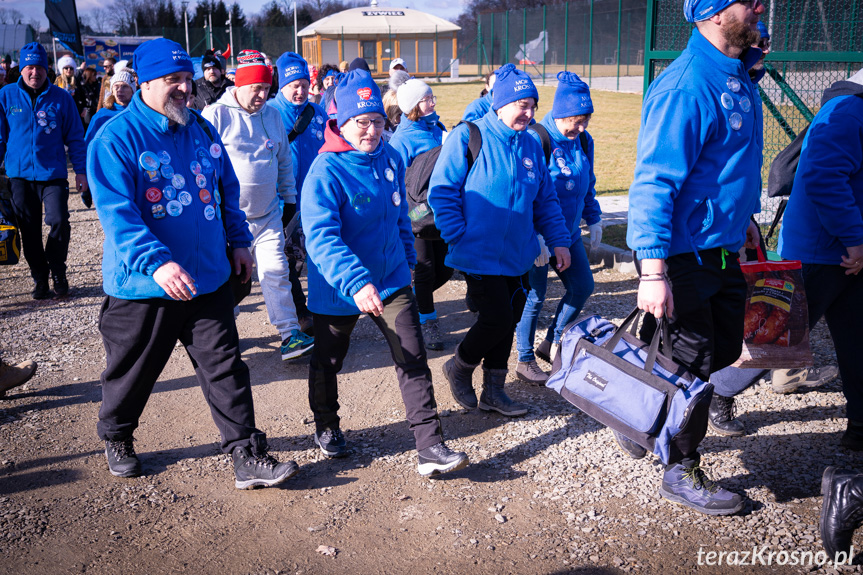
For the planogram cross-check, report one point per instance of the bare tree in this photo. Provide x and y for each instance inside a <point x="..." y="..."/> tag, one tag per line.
<point x="11" y="16"/>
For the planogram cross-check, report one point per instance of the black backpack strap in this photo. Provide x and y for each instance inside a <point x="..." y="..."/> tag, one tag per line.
<point x="583" y="139"/>
<point x="544" y="138"/>
<point x="474" y="144"/>
<point x="302" y="122"/>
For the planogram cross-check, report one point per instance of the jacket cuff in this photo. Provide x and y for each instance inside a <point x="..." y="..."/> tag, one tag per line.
<point x="352" y="291"/>
<point x="151" y="269"/>
<point x="652" y="254"/>
<point x="592" y="222"/>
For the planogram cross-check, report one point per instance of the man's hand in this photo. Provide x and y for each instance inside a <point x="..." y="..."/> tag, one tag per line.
<point x="176" y="282"/>
<point x="563" y="258"/>
<point x="81" y="183"/>
<point x="853" y="262"/>
<point x="241" y="262"/>
<point x="753" y="236"/>
<point x="654" y="293"/>
<point x="368" y="300"/>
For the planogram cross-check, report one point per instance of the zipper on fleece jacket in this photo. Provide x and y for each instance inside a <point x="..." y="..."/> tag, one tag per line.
<point x="197" y="231"/>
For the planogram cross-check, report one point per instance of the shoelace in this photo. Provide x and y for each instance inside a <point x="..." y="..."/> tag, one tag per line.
<point x="700" y="479"/>
<point x="123" y="449"/>
<point x="266" y="461"/>
<point x="729" y="409"/>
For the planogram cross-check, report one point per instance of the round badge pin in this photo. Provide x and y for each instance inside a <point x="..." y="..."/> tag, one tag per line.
<point x="153" y="195"/>
<point x="527" y="163"/>
<point x="164" y="158"/>
<point x="215" y="150"/>
<point x="184" y="198"/>
<point x="42" y="122"/>
<point x="47" y="130"/>
<point x="205" y="196"/>
<point x="201" y="181"/>
<point x="149" y="161"/>
<point x="152" y="175"/>
<point x="169" y="192"/>
<point x="178" y="181"/>
<point x="733" y="84"/>
<point x="319" y="120"/>
<point x="570" y="184"/>
<point x="200" y="153"/>
<point x="392" y="163"/>
<point x="557" y="153"/>
<point x="745" y="104"/>
<point x="735" y="120"/>
<point x="531" y="175"/>
<point x="389" y="175"/>
<point x="560" y="162"/>
<point x="52" y="125"/>
<point x="218" y="196"/>
<point x="727" y="101"/>
<point x="566" y="171"/>
<point x="209" y="212"/>
<point x="158" y="211"/>
<point x="207" y="165"/>
<point x="319" y="134"/>
<point x="40" y="114"/>
<point x="167" y="172"/>
<point x="196" y="168"/>
<point x="269" y="144"/>
<point x="397" y="199"/>
<point x="174" y="208"/>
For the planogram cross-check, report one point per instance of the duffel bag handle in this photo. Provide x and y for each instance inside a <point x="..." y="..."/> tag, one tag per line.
<point x="661" y="335"/>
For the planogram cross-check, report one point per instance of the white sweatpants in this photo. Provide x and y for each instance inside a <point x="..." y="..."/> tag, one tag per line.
<point x="268" y="249"/>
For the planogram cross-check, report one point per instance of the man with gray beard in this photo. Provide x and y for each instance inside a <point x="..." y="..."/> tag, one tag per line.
<point x="156" y="174"/>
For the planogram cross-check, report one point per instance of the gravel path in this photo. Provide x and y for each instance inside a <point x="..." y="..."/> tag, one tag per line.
<point x="547" y="493"/>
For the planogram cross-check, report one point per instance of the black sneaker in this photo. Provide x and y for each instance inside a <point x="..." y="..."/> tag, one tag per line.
<point x="259" y="468"/>
<point x="332" y="442"/>
<point x="61" y="286"/>
<point x="439" y="459"/>
<point x="41" y="290"/>
<point x="628" y="446"/>
<point x="122" y="460"/>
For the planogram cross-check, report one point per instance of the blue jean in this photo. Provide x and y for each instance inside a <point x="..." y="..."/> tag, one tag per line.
<point x="578" y="282"/>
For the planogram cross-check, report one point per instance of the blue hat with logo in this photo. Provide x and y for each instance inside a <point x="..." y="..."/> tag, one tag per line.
<point x="33" y="54"/>
<point x="160" y="57"/>
<point x="762" y="29"/>
<point x="512" y="84"/>
<point x="292" y="67"/>
<point x="572" y="97"/>
<point x="698" y="10"/>
<point x="357" y="94"/>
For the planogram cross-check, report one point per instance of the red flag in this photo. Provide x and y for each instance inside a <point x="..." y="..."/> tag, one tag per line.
<point x="227" y="52"/>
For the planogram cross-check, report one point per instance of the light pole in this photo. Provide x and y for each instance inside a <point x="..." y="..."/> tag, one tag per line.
<point x="185" y="4"/>
<point x="230" y="26"/>
<point x="294" y="6"/>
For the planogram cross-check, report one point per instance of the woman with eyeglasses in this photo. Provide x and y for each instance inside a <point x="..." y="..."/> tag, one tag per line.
<point x="489" y="215"/>
<point x="360" y="246"/>
<point x="420" y="130"/>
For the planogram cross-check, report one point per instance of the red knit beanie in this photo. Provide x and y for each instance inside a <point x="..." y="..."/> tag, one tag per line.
<point x="252" y="69"/>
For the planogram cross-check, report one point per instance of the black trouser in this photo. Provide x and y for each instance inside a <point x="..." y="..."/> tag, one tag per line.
<point x="27" y="200"/>
<point x="400" y="325"/>
<point x="139" y="336"/>
<point x="838" y="298"/>
<point x="430" y="273"/>
<point x="500" y="301"/>
<point x="296" y="288"/>
<point x="709" y="304"/>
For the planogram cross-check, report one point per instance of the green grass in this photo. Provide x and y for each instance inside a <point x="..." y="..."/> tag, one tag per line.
<point x="614" y="127"/>
<point x="615" y="236"/>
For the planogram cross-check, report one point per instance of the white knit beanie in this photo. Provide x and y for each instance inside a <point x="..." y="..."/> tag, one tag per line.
<point x="397" y="78"/>
<point x="125" y="77"/>
<point x="65" y="61"/>
<point x="410" y="93"/>
<point x="121" y="65"/>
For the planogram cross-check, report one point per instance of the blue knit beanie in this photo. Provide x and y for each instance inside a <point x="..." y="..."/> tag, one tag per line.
<point x="358" y="94"/>
<point x="512" y="84"/>
<point x="698" y="10"/>
<point x="33" y="54"/>
<point x="762" y="29"/>
<point x="292" y="67"/>
<point x="160" y="57"/>
<point x="572" y="97"/>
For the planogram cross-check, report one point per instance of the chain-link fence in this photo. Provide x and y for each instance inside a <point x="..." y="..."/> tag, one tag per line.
<point x="813" y="44"/>
<point x="593" y="38"/>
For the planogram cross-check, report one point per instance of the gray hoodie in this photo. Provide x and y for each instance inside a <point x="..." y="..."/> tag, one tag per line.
<point x="258" y="147"/>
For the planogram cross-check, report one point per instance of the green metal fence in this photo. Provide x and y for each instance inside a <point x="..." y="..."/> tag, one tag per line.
<point x="813" y="44"/>
<point x="593" y="38"/>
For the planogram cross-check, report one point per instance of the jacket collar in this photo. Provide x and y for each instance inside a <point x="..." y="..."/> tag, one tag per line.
<point x="293" y="109"/>
<point x="702" y="46"/>
<point x="553" y="131"/>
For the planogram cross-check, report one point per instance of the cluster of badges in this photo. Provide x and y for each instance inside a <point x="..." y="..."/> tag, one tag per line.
<point x="528" y="165"/>
<point x="158" y="165"/>
<point x="390" y="175"/>
<point x="46" y="120"/>
<point x="735" y="120"/>
<point x="319" y="134"/>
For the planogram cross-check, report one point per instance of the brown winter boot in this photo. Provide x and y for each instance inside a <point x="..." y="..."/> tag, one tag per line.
<point x="15" y="375"/>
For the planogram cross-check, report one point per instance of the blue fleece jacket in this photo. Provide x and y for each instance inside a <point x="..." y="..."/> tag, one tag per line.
<point x="488" y="215"/>
<point x="355" y="218"/>
<point x="825" y="210"/>
<point x="478" y="108"/>
<point x="102" y="116"/>
<point x="414" y="138"/>
<point x="304" y="149"/>
<point x="169" y="213"/>
<point x="32" y="137"/>
<point x="571" y="170"/>
<point x="697" y="178"/>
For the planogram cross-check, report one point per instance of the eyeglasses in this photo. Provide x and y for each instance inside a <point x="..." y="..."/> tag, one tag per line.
<point x="430" y="100"/>
<point x="364" y="123"/>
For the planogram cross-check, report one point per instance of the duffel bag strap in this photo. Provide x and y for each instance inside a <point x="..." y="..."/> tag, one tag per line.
<point x="661" y="335"/>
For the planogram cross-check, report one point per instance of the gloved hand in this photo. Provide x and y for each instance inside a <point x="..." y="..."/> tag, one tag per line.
<point x="544" y="255"/>
<point x="87" y="199"/>
<point x="595" y="235"/>
<point x="288" y="214"/>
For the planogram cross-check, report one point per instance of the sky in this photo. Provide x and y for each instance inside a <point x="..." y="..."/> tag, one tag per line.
<point x="35" y="9"/>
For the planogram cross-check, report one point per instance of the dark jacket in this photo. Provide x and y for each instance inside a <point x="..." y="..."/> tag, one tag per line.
<point x="208" y="93"/>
